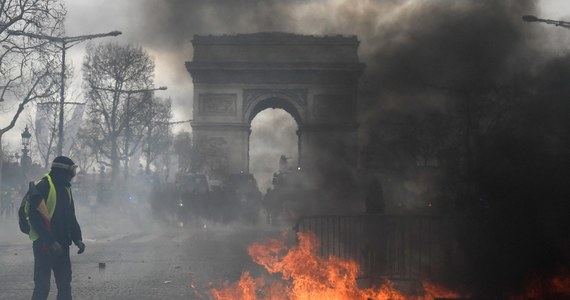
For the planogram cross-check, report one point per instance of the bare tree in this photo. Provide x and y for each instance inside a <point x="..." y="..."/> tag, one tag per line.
<point x="111" y="71"/>
<point x="158" y="137"/>
<point x="85" y="155"/>
<point x="27" y="66"/>
<point x="183" y="148"/>
<point x="86" y="148"/>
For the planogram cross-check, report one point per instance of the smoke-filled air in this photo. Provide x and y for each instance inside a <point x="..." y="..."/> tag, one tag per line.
<point x="267" y="149"/>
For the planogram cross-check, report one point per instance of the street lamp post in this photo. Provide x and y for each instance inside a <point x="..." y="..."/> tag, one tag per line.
<point x="26" y="161"/>
<point x="66" y="43"/>
<point x="547" y="21"/>
<point x="128" y="113"/>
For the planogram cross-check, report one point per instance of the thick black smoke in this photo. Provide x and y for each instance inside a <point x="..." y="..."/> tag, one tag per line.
<point x="404" y="43"/>
<point x="407" y="45"/>
<point x="431" y="64"/>
<point x="420" y="55"/>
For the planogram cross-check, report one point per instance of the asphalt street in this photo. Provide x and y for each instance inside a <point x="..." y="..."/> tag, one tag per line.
<point x="137" y="260"/>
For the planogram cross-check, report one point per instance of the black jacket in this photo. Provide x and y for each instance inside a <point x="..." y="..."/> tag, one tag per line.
<point x="64" y="226"/>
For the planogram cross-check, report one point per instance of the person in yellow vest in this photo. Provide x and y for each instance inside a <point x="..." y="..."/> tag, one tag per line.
<point x="53" y="228"/>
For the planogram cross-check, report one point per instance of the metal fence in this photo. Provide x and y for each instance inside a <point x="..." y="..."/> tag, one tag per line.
<point x="417" y="246"/>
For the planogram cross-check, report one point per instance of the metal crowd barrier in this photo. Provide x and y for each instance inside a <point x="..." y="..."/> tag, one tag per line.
<point x="418" y="246"/>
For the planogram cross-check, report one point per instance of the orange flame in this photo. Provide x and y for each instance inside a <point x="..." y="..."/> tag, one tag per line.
<point x="550" y="287"/>
<point x="305" y="275"/>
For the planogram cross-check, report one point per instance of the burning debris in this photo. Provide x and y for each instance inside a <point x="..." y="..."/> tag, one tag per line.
<point x="305" y="275"/>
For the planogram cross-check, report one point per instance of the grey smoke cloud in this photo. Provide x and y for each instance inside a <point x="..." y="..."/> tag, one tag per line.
<point x="407" y="45"/>
<point x="458" y="42"/>
<point x="404" y="43"/>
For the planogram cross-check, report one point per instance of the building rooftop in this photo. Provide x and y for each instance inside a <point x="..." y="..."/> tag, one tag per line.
<point x="274" y="38"/>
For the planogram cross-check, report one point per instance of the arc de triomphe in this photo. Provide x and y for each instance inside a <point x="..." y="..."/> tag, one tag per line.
<point x="313" y="78"/>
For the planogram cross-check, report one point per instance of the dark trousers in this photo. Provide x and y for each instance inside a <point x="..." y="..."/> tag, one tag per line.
<point x="43" y="265"/>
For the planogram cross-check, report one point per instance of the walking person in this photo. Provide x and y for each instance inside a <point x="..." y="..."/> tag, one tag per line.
<point x="54" y="227"/>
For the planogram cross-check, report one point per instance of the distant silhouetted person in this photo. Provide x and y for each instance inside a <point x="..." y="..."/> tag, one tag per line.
<point x="375" y="198"/>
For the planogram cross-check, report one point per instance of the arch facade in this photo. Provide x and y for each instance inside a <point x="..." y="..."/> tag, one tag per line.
<point x="314" y="79"/>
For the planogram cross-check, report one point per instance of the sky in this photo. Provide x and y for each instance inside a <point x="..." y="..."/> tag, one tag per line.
<point x="164" y="28"/>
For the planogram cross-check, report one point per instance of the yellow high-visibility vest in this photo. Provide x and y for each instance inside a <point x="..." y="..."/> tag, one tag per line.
<point x="46" y="208"/>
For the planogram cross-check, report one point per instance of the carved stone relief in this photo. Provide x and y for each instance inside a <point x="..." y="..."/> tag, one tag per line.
<point x="250" y="96"/>
<point x="218" y="104"/>
<point x="330" y="105"/>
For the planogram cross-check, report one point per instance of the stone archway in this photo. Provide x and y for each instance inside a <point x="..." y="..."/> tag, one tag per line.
<point x="292" y="101"/>
<point x="312" y="78"/>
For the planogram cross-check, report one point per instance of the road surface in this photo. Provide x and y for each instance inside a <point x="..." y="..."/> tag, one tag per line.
<point x="125" y="259"/>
